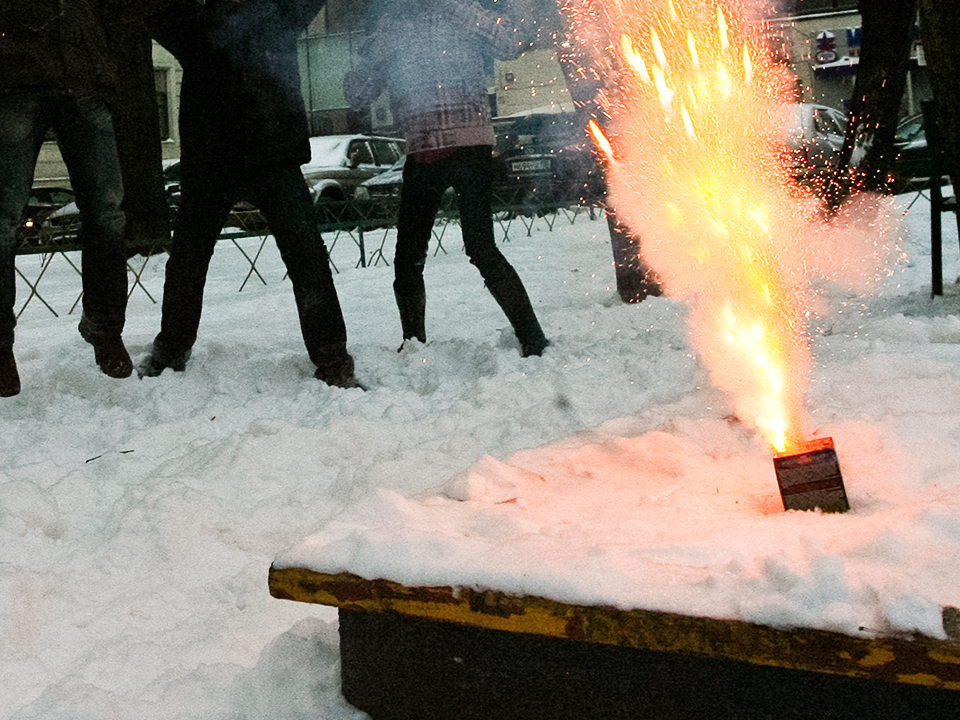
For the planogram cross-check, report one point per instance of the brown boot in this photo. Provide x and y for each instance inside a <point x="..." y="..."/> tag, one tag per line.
<point x="113" y="358"/>
<point x="9" y="377"/>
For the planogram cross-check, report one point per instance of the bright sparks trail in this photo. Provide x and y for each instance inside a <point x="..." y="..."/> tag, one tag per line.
<point x="692" y="169"/>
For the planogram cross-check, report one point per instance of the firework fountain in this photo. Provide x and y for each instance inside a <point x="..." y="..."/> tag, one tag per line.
<point x="689" y="122"/>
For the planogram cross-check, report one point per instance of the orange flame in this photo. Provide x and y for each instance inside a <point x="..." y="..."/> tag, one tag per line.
<point x="694" y="172"/>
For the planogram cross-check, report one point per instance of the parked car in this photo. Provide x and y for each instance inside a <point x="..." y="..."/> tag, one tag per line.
<point x="42" y="202"/>
<point x="340" y="163"/>
<point x="539" y="160"/>
<point x="381" y="194"/>
<point x="911" y="167"/>
<point x="812" y="143"/>
<point x="171" y="185"/>
<point x="64" y="222"/>
<point x="545" y="159"/>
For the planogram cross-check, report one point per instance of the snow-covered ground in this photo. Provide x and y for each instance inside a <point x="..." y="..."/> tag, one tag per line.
<point x="138" y="518"/>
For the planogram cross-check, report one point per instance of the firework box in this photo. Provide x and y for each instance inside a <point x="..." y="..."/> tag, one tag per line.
<point x="811" y="479"/>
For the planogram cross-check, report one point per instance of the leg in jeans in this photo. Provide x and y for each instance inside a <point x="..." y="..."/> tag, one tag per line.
<point x="282" y="196"/>
<point x="420" y="198"/>
<point x="23" y="123"/>
<point x="85" y="135"/>
<point x="207" y="196"/>
<point x="470" y="175"/>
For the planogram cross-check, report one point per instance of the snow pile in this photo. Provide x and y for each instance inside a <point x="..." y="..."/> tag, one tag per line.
<point x="138" y="519"/>
<point x="673" y="512"/>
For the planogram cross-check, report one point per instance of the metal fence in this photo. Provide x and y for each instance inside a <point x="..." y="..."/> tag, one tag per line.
<point x="368" y="226"/>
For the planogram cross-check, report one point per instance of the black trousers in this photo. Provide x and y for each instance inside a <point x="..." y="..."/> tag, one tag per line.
<point x="281" y="195"/>
<point x="468" y="170"/>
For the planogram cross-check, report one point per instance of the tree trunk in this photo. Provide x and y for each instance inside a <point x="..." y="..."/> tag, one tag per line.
<point x="881" y="80"/>
<point x="940" y="20"/>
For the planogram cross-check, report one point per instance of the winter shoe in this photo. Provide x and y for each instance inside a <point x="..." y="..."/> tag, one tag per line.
<point x="412" y="315"/>
<point x="512" y="298"/>
<point x="9" y="377"/>
<point x="638" y="286"/>
<point x="635" y="280"/>
<point x="534" y="348"/>
<point x="152" y="365"/>
<point x="341" y="379"/>
<point x="335" y="366"/>
<point x="113" y="358"/>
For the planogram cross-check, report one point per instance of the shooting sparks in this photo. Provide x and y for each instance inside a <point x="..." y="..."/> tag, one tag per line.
<point x="692" y="169"/>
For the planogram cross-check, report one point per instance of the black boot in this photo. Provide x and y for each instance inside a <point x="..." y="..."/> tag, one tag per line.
<point x="154" y="364"/>
<point x="162" y="357"/>
<point x="413" y="308"/>
<point x="9" y="377"/>
<point x="102" y="330"/>
<point x="512" y="298"/>
<point x="635" y="280"/>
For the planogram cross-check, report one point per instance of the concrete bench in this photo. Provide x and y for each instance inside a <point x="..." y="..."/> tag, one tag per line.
<point x="458" y="653"/>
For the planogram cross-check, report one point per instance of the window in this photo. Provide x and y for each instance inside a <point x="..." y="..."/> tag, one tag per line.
<point x="341" y="16"/>
<point x="360" y="154"/>
<point x="387" y="152"/>
<point x="163" y="101"/>
<point x="826" y="123"/>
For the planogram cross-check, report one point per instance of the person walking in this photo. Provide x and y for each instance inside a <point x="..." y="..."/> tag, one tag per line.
<point x="433" y="57"/>
<point x="56" y="73"/>
<point x="244" y="135"/>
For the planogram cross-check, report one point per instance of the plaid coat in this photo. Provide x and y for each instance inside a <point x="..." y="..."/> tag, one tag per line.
<point x="433" y="59"/>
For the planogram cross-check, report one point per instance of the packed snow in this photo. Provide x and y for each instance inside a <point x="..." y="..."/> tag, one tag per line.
<point x="138" y="518"/>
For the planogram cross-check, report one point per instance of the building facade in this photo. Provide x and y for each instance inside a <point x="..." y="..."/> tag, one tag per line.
<point x="818" y="39"/>
<point x="820" y="42"/>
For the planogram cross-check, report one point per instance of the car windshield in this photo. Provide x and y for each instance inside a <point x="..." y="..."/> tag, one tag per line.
<point x="828" y="122"/>
<point x="910" y="129"/>
<point x="327" y="150"/>
<point x="536" y="134"/>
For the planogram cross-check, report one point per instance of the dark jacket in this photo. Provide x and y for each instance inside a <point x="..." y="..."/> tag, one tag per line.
<point x="240" y="101"/>
<point x="54" y="47"/>
<point x="59" y="47"/>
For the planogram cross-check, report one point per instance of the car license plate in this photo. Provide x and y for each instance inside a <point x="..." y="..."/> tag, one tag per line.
<point x="529" y="165"/>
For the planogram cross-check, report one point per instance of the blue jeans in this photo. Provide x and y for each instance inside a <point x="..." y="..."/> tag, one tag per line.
<point x="87" y="143"/>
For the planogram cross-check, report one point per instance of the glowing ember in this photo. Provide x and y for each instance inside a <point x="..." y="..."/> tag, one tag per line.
<point x="693" y="169"/>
